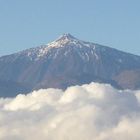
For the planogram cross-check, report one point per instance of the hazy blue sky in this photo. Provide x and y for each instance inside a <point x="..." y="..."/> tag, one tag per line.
<point x="29" y="23"/>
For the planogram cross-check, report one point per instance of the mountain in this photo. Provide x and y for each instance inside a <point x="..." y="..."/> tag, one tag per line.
<point x="64" y="62"/>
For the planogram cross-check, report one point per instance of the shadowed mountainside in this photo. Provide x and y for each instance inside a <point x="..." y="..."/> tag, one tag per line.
<point x="64" y="62"/>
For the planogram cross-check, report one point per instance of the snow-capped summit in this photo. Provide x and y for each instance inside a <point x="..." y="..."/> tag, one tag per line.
<point x="67" y="61"/>
<point x="65" y="40"/>
<point x="67" y="36"/>
<point x="62" y="41"/>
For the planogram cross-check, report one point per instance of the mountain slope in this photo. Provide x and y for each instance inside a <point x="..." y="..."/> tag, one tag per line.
<point x="69" y="61"/>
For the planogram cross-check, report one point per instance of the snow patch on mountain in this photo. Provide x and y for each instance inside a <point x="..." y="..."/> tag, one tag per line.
<point x="63" y="41"/>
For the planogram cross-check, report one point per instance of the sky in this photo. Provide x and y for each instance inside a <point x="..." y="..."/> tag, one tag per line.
<point x="30" y="23"/>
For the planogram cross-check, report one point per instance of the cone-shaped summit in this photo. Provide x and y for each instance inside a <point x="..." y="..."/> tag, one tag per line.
<point x="64" y="62"/>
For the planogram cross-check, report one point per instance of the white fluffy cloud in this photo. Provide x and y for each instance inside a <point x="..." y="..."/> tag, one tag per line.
<point x="92" y="111"/>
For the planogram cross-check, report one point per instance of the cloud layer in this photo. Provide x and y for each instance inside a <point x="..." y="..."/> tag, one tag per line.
<point x="92" y="111"/>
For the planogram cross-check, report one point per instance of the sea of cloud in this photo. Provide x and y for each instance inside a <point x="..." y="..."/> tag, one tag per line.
<point x="88" y="112"/>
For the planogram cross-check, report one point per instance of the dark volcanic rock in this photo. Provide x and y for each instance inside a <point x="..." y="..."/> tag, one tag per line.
<point x="65" y="62"/>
